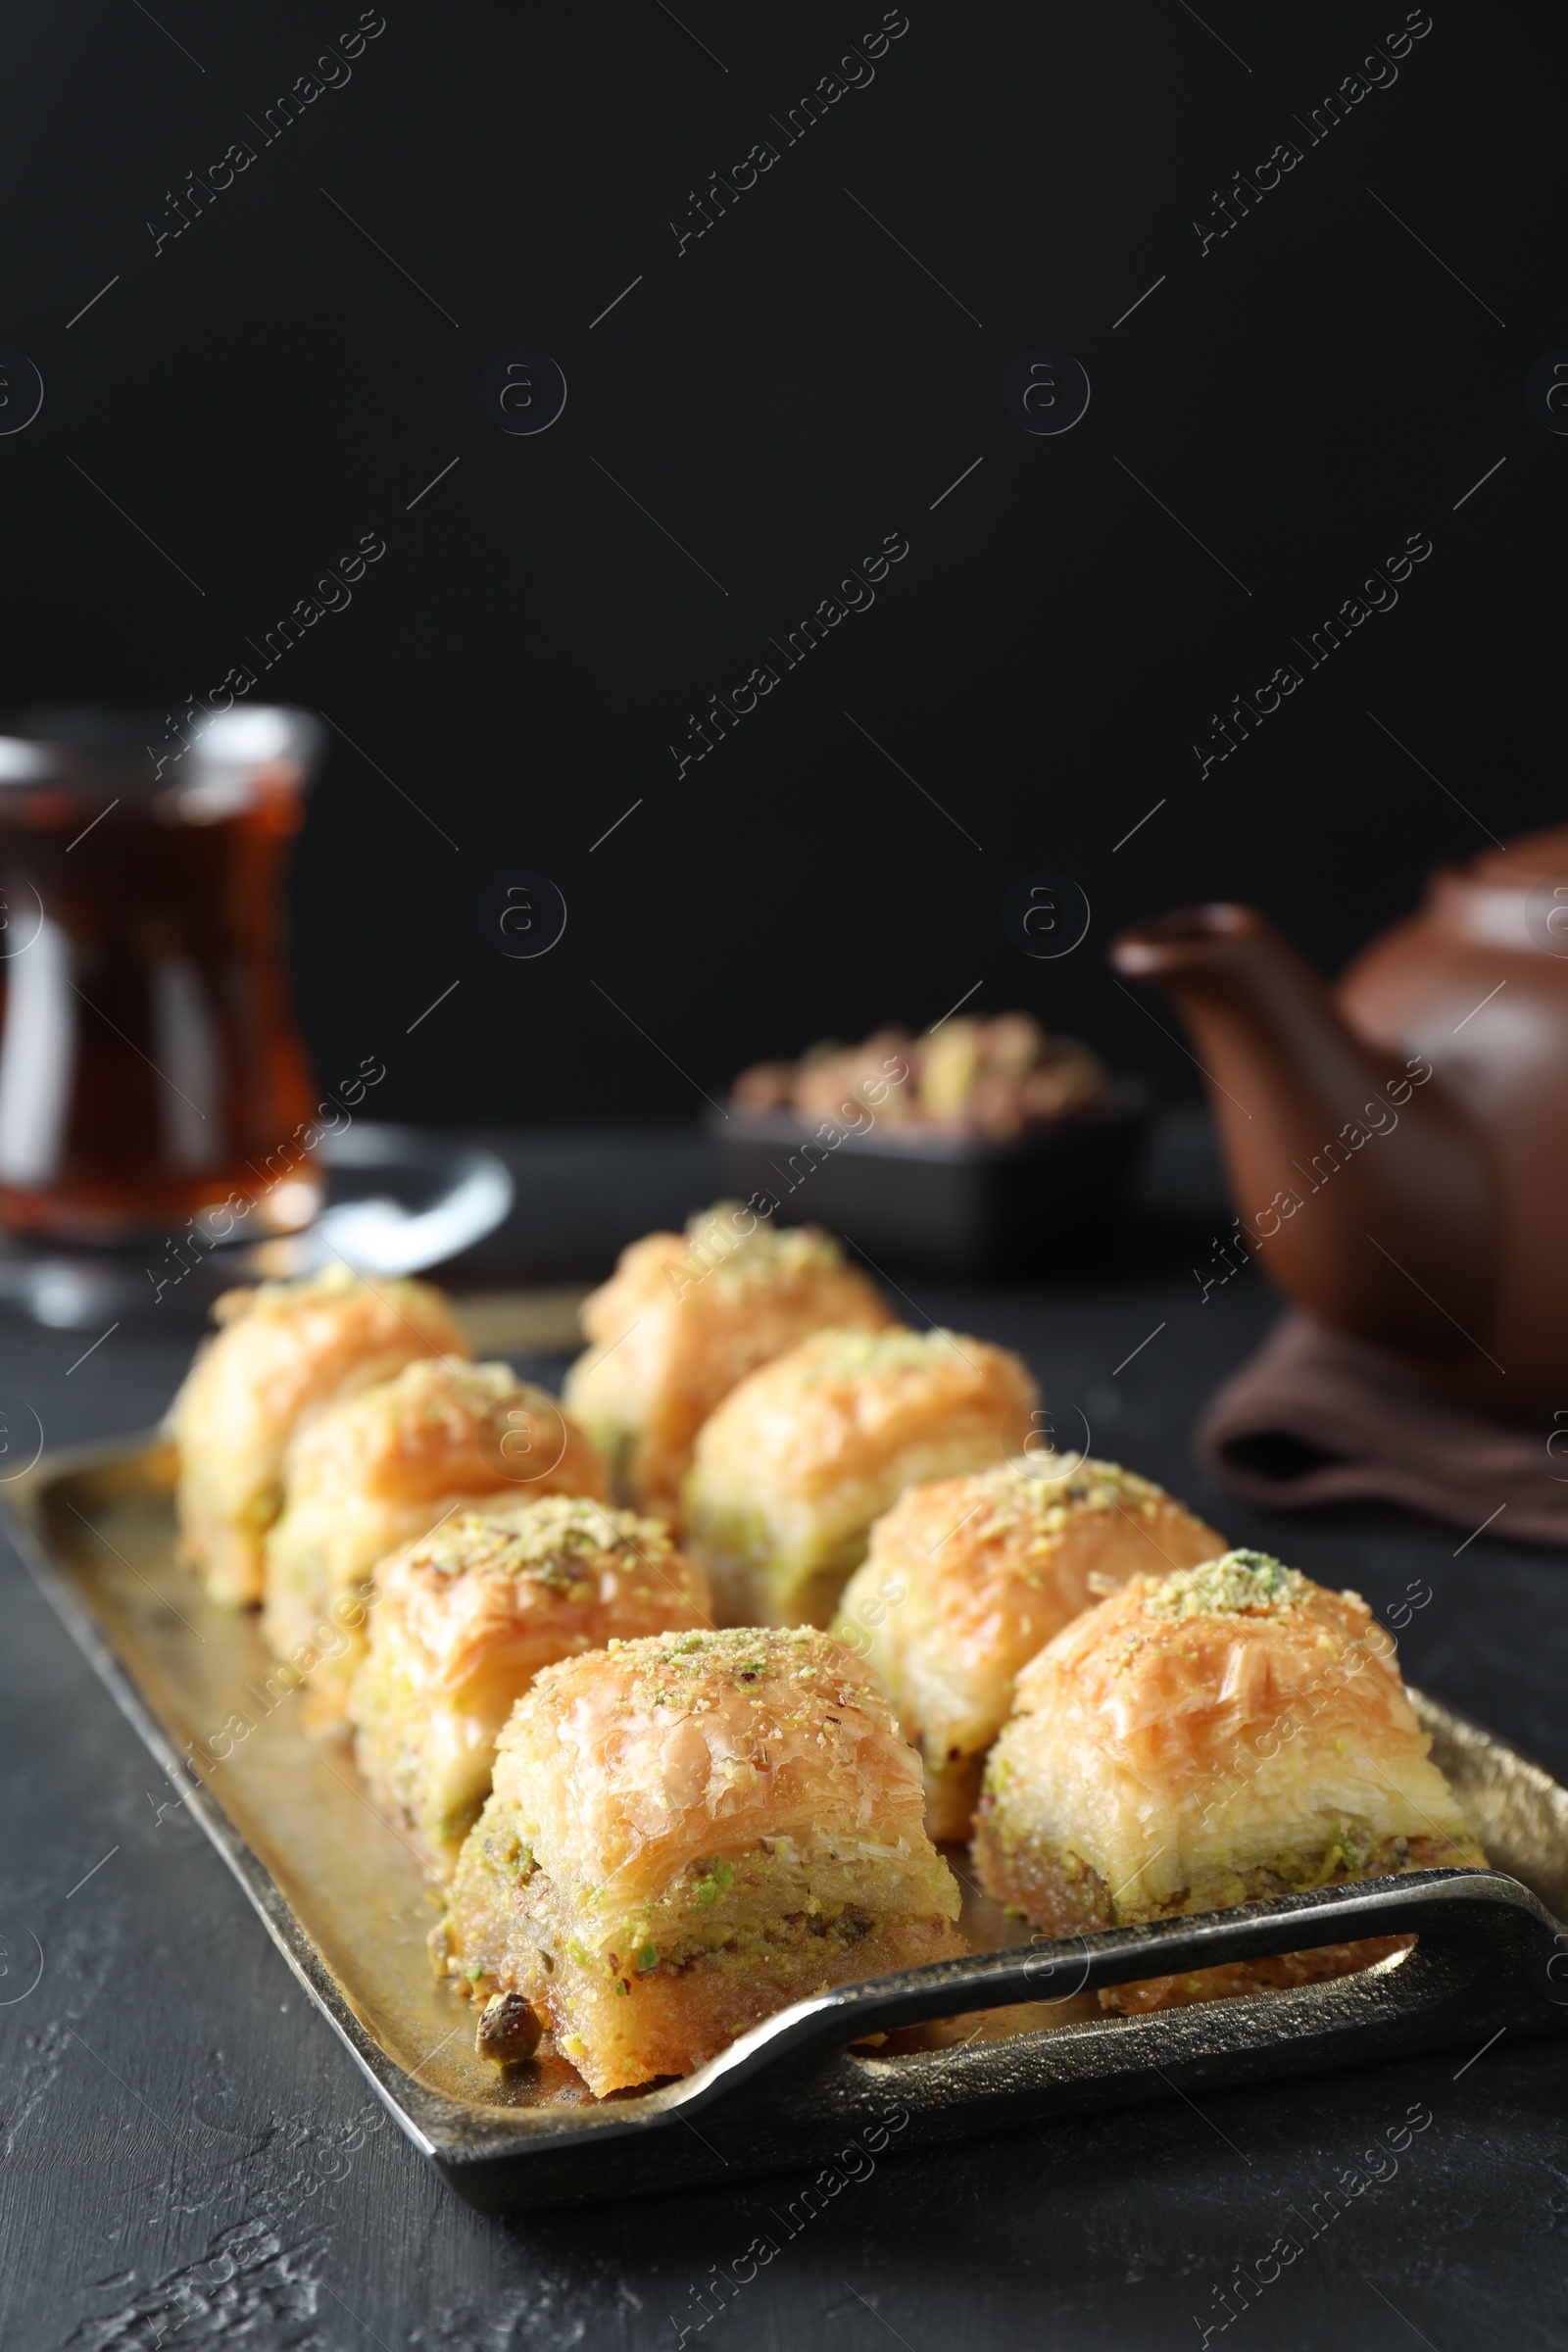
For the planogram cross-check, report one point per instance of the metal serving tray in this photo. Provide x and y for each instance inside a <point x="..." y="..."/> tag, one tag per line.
<point x="347" y="1905"/>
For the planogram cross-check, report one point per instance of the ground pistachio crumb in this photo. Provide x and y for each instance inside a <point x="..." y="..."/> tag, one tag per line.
<point x="1238" y="1582"/>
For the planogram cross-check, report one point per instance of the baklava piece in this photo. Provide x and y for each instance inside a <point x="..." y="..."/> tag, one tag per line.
<point x="686" y="1835"/>
<point x="463" y="1620"/>
<point x="284" y="1351"/>
<point x="799" y="1460"/>
<point x="684" y="1318"/>
<point x="1206" y="1739"/>
<point x="968" y="1579"/>
<point x="381" y="1470"/>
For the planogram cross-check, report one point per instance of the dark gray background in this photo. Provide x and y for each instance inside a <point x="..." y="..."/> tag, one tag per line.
<point x="794" y="386"/>
<point x="189" y="2156"/>
<point x="179" y="2157"/>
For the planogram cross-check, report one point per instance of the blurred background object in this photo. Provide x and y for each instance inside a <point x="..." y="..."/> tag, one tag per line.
<point x="992" y="1078"/>
<point x="160" y="1133"/>
<point x="390" y="1201"/>
<point x="1396" y="1145"/>
<point x="984" y="1147"/>
<point x="245" y="371"/>
<point x="150" y="1069"/>
<point x="1042" y="678"/>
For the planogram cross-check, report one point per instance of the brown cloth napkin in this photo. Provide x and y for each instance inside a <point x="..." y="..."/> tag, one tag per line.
<point x="1317" y="1418"/>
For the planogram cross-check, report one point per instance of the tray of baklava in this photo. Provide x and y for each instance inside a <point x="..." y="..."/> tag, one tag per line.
<point x="773" y="1740"/>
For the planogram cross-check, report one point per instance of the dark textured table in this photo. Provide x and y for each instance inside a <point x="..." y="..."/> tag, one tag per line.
<point x="191" y="2158"/>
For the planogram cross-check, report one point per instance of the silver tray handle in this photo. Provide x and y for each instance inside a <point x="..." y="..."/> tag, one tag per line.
<point x="1488" y="1949"/>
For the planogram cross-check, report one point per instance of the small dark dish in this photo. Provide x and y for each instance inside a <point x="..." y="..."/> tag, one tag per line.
<point x="938" y="1201"/>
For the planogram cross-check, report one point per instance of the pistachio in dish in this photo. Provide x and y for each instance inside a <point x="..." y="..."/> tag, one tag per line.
<point x="968" y="1075"/>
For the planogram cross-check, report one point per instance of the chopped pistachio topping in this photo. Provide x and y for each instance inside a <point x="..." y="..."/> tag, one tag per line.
<point x="1240" y="1582"/>
<point x="1028" y="1496"/>
<point x="748" y="1653"/>
<point x="787" y="1679"/>
<point x="334" y="1281"/>
<point x="560" y="1540"/>
<point x="829" y="1354"/>
<point x="718" y="1243"/>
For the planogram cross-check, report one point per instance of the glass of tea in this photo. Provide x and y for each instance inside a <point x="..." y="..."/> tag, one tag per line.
<point x="150" y="1070"/>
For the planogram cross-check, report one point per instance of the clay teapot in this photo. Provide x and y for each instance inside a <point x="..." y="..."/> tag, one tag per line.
<point x="1397" y="1146"/>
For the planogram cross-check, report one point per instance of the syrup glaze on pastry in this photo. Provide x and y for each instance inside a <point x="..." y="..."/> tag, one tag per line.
<point x="687" y="1835"/>
<point x="381" y="1470"/>
<point x="467" y="1616"/>
<point x="797" y="1461"/>
<point x="684" y="1318"/>
<point x="966" y="1579"/>
<point x="285" y="1351"/>
<point x="1205" y="1738"/>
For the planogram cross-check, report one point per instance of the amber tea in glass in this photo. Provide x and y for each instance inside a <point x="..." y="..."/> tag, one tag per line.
<point x="150" y="1072"/>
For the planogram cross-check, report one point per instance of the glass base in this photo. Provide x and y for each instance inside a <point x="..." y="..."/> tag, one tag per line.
<point x="130" y="1217"/>
<point x="396" y="1200"/>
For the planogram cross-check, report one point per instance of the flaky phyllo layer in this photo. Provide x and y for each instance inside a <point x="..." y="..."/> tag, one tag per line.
<point x="284" y="1351"/>
<point x="758" y="1901"/>
<point x="1228" y="1731"/>
<point x="799" y="1460"/>
<point x="380" y="1469"/>
<point x="627" y="1767"/>
<point x="968" y="1579"/>
<point x="466" y="1617"/>
<point x="686" y="1316"/>
<point x="690" y="1833"/>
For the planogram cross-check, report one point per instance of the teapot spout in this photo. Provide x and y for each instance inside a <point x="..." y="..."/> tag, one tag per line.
<point x="1365" y="1192"/>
